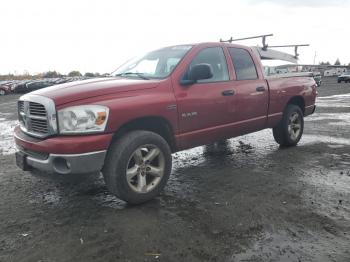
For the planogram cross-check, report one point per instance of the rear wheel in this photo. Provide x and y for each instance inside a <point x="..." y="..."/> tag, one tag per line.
<point x="289" y="131"/>
<point x="2" y="92"/>
<point x="137" y="166"/>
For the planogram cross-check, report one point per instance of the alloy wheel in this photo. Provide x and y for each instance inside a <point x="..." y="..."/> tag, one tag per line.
<point x="294" y="126"/>
<point x="145" y="168"/>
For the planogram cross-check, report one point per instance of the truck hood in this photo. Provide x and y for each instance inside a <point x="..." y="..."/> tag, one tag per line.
<point x="73" y="91"/>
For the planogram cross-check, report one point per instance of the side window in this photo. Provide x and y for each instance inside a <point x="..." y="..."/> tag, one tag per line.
<point x="171" y="63"/>
<point x="243" y="64"/>
<point x="216" y="58"/>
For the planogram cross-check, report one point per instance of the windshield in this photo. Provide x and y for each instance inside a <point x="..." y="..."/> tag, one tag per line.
<point x="156" y="64"/>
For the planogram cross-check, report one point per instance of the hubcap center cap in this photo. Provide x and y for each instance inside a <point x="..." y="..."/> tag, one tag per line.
<point x="143" y="169"/>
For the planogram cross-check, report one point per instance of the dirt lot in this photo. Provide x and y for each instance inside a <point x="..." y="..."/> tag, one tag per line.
<point x="243" y="200"/>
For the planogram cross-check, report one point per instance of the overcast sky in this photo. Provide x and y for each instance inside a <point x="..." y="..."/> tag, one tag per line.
<point x="98" y="36"/>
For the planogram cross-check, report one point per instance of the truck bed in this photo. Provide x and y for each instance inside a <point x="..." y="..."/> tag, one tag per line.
<point x="283" y="88"/>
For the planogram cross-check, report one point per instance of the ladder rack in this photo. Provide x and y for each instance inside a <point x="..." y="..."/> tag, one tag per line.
<point x="269" y="54"/>
<point x="246" y="38"/>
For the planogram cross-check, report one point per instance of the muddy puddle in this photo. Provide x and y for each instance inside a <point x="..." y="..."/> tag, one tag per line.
<point x="334" y="101"/>
<point x="7" y="143"/>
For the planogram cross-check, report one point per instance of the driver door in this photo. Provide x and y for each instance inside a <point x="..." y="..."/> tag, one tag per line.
<point x="203" y="106"/>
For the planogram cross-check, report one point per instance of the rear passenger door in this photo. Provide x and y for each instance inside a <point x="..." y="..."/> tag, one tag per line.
<point x="250" y="102"/>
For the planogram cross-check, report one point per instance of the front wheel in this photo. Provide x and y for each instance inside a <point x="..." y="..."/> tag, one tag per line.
<point x="137" y="166"/>
<point x="289" y="131"/>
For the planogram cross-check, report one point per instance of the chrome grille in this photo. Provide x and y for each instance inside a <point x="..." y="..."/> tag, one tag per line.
<point x="36" y="109"/>
<point x="21" y="106"/>
<point x="37" y="116"/>
<point x="39" y="125"/>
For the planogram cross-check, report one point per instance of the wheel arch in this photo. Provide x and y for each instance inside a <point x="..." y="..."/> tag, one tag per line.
<point x="298" y="101"/>
<point x="156" y="124"/>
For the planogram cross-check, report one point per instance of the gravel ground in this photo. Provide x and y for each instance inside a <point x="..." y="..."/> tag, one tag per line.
<point x="244" y="199"/>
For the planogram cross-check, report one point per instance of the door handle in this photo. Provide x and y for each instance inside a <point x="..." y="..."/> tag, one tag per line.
<point x="228" y="93"/>
<point x="260" y="89"/>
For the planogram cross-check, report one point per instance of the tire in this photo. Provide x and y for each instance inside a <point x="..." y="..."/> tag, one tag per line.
<point x="146" y="156"/>
<point x="339" y="81"/>
<point x="2" y="92"/>
<point x="289" y="131"/>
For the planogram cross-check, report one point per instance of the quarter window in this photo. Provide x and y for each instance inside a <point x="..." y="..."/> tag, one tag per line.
<point x="243" y="64"/>
<point x="215" y="57"/>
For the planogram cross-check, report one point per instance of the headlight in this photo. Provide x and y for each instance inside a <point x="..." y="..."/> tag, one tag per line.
<point x="82" y="119"/>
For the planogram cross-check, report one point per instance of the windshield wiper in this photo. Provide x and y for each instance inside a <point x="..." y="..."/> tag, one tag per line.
<point x="133" y="73"/>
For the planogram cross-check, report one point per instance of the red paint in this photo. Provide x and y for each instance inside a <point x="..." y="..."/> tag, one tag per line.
<point x="64" y="144"/>
<point x="217" y="116"/>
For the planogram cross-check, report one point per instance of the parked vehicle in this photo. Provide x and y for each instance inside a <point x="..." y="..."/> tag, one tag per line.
<point x="318" y="78"/>
<point x="5" y="88"/>
<point x="61" y="81"/>
<point x="35" y="85"/>
<point x="171" y="99"/>
<point x="21" y="87"/>
<point x="27" y="86"/>
<point x="344" y="77"/>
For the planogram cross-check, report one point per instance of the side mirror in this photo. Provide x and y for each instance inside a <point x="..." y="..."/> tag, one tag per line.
<point x="198" y="72"/>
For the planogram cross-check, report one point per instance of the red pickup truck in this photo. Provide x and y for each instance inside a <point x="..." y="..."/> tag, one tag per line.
<point x="171" y="99"/>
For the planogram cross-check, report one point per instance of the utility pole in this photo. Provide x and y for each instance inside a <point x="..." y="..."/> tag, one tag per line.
<point x="315" y="57"/>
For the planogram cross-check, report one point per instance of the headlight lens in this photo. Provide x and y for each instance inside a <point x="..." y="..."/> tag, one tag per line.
<point x="82" y="119"/>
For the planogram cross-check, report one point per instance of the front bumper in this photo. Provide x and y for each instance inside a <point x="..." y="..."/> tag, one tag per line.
<point x="63" y="154"/>
<point x="309" y="110"/>
<point x="68" y="164"/>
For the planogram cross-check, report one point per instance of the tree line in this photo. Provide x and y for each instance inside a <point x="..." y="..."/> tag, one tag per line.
<point x="74" y="73"/>
<point x="337" y="62"/>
